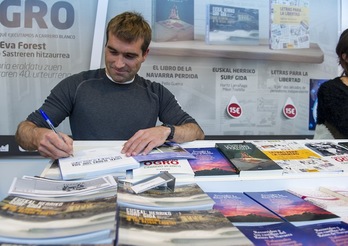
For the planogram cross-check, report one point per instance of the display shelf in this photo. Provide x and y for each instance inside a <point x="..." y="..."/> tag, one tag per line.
<point x="197" y="48"/>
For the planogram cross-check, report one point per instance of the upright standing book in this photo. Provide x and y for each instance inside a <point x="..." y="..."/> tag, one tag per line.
<point x="248" y="159"/>
<point x="292" y="208"/>
<point x="232" y="25"/>
<point x="290" y="27"/>
<point x="173" y="20"/>
<point x="210" y="162"/>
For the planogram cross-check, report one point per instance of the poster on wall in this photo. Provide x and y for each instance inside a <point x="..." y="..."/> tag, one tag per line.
<point x="42" y="42"/>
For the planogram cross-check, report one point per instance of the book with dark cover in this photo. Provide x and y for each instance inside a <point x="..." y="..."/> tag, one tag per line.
<point x="248" y="159"/>
<point x="184" y="197"/>
<point x="232" y="25"/>
<point x="153" y="227"/>
<point x="327" y="234"/>
<point x="242" y="210"/>
<point x="173" y="20"/>
<point x="277" y="234"/>
<point x="292" y="208"/>
<point x="210" y="162"/>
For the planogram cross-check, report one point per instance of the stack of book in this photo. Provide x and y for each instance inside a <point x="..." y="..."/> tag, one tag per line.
<point x="183" y="216"/>
<point x="41" y="211"/>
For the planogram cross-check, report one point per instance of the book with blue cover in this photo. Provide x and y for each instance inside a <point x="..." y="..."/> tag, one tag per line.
<point x="278" y="234"/>
<point x="292" y="208"/>
<point x="232" y="25"/>
<point x="333" y="233"/>
<point x="210" y="161"/>
<point x="242" y="210"/>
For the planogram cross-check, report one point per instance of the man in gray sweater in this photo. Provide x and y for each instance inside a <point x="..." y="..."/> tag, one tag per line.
<point x="111" y="103"/>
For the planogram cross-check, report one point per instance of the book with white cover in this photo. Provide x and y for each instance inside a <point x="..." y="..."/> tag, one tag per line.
<point x="95" y="162"/>
<point x="179" y="168"/>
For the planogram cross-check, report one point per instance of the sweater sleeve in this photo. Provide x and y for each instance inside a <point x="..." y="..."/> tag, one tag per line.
<point x="170" y="110"/>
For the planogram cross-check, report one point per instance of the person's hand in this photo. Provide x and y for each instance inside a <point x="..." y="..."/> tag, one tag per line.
<point x="143" y="141"/>
<point x="52" y="145"/>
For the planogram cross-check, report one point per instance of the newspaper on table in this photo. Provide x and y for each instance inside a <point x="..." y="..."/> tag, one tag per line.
<point x="42" y="187"/>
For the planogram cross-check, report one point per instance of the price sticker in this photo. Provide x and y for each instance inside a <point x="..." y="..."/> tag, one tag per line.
<point x="234" y="110"/>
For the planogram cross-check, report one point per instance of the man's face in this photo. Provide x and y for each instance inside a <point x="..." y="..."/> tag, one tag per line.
<point x="123" y="60"/>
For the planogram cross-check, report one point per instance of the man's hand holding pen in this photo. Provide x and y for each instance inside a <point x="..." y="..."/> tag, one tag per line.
<point x="54" y="146"/>
<point x="53" y="143"/>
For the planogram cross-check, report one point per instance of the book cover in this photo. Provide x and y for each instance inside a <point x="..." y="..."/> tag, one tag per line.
<point x="289" y="24"/>
<point x="168" y="150"/>
<point x="314" y="85"/>
<point x="277" y="234"/>
<point x="285" y="150"/>
<point x="296" y="158"/>
<point x="327" y="234"/>
<point x="248" y="159"/>
<point x="242" y="210"/>
<point x="179" y="168"/>
<point x="37" y="219"/>
<point x="173" y="20"/>
<point x="325" y="200"/>
<point x="232" y="25"/>
<point x="153" y="227"/>
<point x="184" y="197"/>
<point x="338" y="192"/>
<point x="90" y="163"/>
<point x="327" y="148"/>
<point x="292" y="208"/>
<point x="210" y="162"/>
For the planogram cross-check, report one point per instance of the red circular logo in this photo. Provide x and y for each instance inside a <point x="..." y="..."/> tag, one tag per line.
<point x="234" y="110"/>
<point x="290" y="111"/>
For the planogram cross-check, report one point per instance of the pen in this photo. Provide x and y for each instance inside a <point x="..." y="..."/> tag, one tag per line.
<point x="44" y="115"/>
<point x="49" y="122"/>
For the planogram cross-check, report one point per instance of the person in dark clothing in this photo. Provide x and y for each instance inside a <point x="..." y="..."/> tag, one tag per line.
<point x="333" y="97"/>
<point x="111" y="103"/>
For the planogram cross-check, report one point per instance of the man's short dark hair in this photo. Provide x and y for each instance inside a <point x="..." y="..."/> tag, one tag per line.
<point x="130" y="27"/>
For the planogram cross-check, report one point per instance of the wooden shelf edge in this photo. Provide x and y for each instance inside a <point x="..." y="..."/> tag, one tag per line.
<point x="195" y="48"/>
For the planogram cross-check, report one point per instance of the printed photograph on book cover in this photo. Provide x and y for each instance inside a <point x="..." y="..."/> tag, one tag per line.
<point x="232" y="25"/>
<point x="173" y="20"/>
